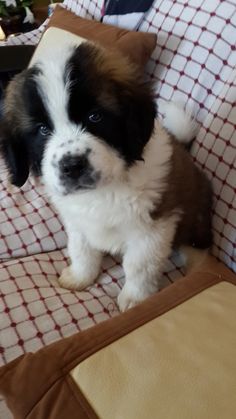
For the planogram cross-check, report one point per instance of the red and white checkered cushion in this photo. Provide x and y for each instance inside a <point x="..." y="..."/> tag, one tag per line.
<point x="29" y="38"/>
<point x="28" y="223"/>
<point x="195" y="63"/>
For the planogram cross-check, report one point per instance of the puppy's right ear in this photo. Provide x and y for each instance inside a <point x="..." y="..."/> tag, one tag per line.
<point x="15" y="154"/>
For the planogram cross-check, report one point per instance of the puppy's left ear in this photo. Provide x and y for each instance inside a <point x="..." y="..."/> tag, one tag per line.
<point x="15" y="154"/>
<point x="140" y="112"/>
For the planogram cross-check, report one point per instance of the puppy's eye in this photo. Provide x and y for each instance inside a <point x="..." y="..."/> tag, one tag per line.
<point x="43" y="130"/>
<point x="95" y="117"/>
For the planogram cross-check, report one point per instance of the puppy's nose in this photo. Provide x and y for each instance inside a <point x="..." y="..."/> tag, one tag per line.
<point x="72" y="167"/>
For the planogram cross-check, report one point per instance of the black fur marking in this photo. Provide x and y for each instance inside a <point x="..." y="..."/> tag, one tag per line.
<point x="33" y="99"/>
<point x="15" y="154"/>
<point x="38" y="115"/>
<point x="22" y="143"/>
<point x="127" y="129"/>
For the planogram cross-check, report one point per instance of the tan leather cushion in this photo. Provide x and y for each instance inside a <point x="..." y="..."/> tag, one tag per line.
<point x="180" y="365"/>
<point x="138" y="46"/>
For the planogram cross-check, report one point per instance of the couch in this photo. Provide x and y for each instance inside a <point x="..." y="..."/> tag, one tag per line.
<point x="194" y="62"/>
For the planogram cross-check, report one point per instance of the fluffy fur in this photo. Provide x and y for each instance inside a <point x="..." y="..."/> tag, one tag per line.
<point x="122" y="184"/>
<point x="179" y="122"/>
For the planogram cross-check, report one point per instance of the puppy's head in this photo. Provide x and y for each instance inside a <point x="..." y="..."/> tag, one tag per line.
<point x="81" y="119"/>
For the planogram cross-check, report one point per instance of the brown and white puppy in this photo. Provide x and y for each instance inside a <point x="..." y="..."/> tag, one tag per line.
<point x="84" y="119"/>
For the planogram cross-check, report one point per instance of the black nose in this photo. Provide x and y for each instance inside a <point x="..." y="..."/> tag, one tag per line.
<point x="72" y="167"/>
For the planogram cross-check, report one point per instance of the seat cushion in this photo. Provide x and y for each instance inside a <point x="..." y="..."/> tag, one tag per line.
<point x="171" y="356"/>
<point x="28" y="223"/>
<point x="36" y="311"/>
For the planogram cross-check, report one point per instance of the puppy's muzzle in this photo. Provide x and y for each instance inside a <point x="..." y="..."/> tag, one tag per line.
<point x="72" y="167"/>
<point x="76" y="172"/>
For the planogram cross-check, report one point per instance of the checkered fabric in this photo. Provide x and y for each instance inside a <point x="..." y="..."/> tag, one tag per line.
<point x="35" y="311"/>
<point x="194" y="63"/>
<point x="30" y="38"/>
<point x="28" y="223"/>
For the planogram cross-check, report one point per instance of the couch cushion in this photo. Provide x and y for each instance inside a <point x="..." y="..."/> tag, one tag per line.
<point x="194" y="62"/>
<point x="36" y="311"/>
<point x="172" y="355"/>
<point x="28" y="223"/>
<point x="175" y="383"/>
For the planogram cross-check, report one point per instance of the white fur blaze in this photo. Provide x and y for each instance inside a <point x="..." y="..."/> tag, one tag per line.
<point x="179" y="122"/>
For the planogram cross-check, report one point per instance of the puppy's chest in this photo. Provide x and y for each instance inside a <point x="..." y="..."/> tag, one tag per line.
<point x="105" y="232"/>
<point x="106" y="238"/>
<point x="106" y="225"/>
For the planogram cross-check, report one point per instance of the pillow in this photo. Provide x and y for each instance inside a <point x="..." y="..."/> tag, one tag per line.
<point x="65" y="26"/>
<point x="173" y="354"/>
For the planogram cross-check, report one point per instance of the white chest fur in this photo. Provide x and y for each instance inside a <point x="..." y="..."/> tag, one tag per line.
<point x="106" y="218"/>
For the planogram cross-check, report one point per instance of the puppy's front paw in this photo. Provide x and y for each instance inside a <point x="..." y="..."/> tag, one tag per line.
<point x="129" y="297"/>
<point x="72" y="281"/>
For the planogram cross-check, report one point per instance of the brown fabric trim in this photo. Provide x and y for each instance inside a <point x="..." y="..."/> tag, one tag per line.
<point x="211" y="265"/>
<point x="47" y="371"/>
<point x="61" y="402"/>
<point x="58" y="394"/>
<point x="83" y="403"/>
<point x="137" y="46"/>
<point x="40" y="373"/>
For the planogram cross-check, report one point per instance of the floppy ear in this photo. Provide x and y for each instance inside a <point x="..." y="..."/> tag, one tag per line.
<point x="140" y="112"/>
<point x="15" y="154"/>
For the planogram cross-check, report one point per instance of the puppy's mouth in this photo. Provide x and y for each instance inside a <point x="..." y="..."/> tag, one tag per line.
<point x="76" y="174"/>
<point x="81" y="186"/>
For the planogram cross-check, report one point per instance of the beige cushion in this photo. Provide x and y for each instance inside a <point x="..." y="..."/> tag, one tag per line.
<point x="180" y="365"/>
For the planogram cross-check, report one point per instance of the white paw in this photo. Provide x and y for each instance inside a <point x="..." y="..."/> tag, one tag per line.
<point x="72" y="281"/>
<point x="129" y="298"/>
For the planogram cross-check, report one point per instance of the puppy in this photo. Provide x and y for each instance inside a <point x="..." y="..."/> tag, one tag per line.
<point x="86" y="122"/>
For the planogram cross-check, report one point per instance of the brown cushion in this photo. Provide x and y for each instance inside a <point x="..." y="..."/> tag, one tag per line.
<point x="172" y="354"/>
<point x="138" y="46"/>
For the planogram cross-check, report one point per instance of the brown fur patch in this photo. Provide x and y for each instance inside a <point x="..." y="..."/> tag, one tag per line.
<point x="111" y="64"/>
<point x="14" y="107"/>
<point x="188" y="190"/>
<point x="110" y="73"/>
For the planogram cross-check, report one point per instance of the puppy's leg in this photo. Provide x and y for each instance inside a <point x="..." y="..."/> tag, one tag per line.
<point x="194" y="258"/>
<point x="144" y="260"/>
<point x="85" y="263"/>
